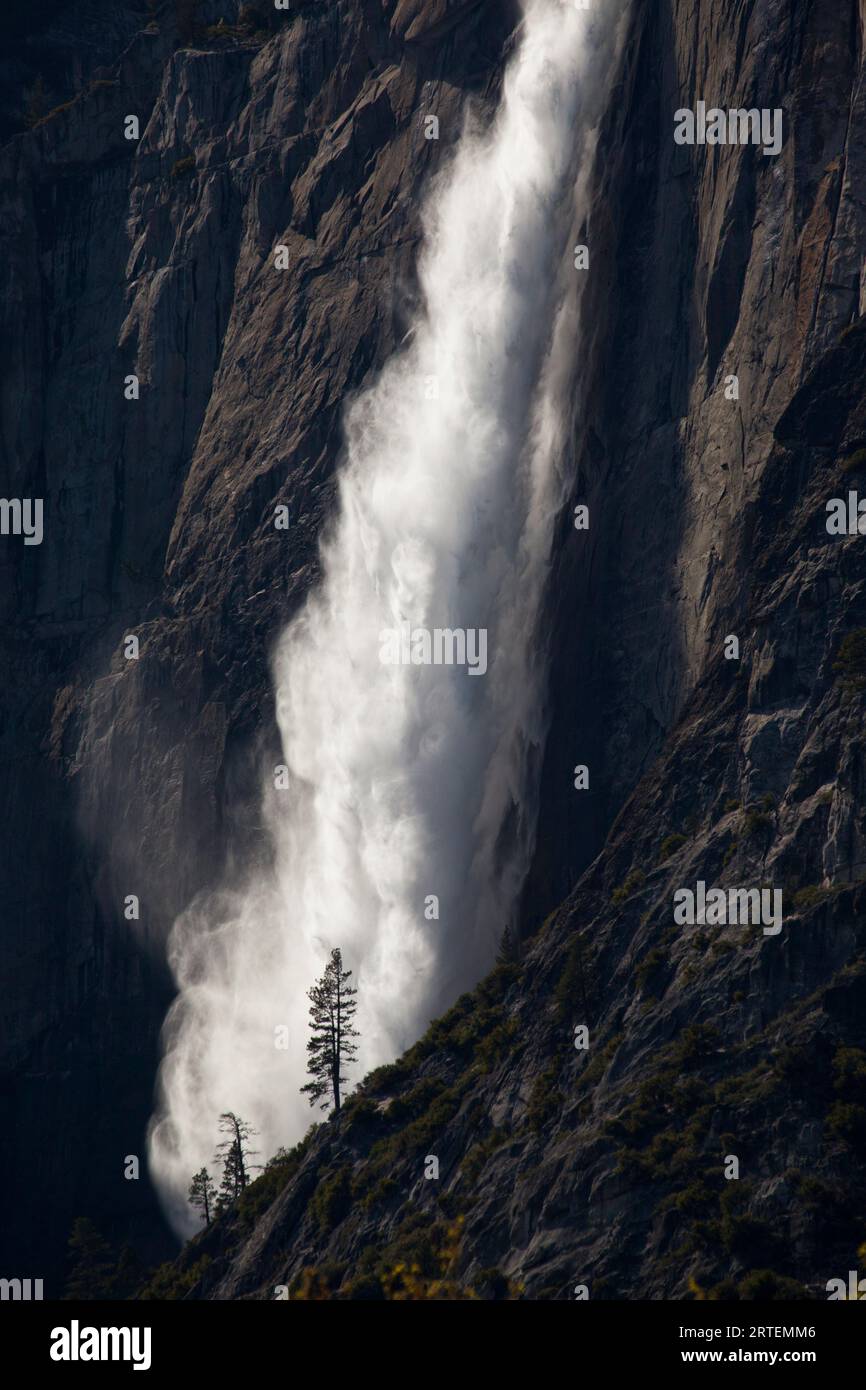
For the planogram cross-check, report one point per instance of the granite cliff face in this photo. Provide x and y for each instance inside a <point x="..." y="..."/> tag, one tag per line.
<point x="126" y="777"/>
<point x="606" y="1166"/>
<point x="154" y="257"/>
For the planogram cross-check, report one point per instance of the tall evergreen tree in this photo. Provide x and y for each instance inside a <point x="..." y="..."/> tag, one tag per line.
<point x="93" y="1263"/>
<point x="330" y="1047"/>
<point x="235" y="1157"/>
<point x="202" y="1194"/>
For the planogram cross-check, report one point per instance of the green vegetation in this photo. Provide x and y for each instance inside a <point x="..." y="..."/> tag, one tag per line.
<point x="571" y="987"/>
<point x="749" y="1086"/>
<point x="651" y="962"/>
<point x="758" y="1286"/>
<point x="695" y="1044"/>
<point x="415" y="1101"/>
<point x="478" y="1155"/>
<point x="496" y="1045"/>
<point x="631" y="885"/>
<point x="756" y="824"/>
<point x="545" y="1099"/>
<point x="384" y="1189"/>
<point x="260" y="1194"/>
<point x="96" y="1270"/>
<point x="169" y="1281"/>
<point x="417" y="1265"/>
<point x="675" y="1133"/>
<point x="854" y="461"/>
<point x="368" y="1183"/>
<point x="847" y="1122"/>
<point x="850" y="663"/>
<point x="721" y="946"/>
<point x="849" y="1070"/>
<point x="664" y="1126"/>
<point x="718" y="1222"/>
<point x="332" y="1199"/>
<point x="846" y="1118"/>
<point x="363" y="1115"/>
<point x="810" y="896"/>
<point x="741" y="1233"/>
<point x="599" y="1064"/>
<point x="669" y="845"/>
<point x="458" y="1033"/>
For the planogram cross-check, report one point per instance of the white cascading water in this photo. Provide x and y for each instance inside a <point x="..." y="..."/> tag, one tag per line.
<point x="409" y="781"/>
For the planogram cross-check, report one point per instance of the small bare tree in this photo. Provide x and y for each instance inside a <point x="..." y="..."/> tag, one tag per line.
<point x="235" y="1157"/>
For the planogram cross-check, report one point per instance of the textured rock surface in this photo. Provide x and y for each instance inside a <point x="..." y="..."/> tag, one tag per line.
<point x="124" y="777"/>
<point x="707" y="519"/>
<point x="605" y="1166"/>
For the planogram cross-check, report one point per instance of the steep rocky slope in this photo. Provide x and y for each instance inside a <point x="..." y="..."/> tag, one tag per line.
<point x="603" y="1167"/>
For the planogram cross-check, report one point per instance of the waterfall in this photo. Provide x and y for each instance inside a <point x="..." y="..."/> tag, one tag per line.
<point x="413" y="782"/>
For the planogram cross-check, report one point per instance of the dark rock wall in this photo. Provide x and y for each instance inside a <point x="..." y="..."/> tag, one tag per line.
<point x="124" y="777"/>
<point x="140" y="777"/>
<point x="707" y="262"/>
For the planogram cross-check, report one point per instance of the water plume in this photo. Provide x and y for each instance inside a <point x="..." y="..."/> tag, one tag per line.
<point x="409" y="783"/>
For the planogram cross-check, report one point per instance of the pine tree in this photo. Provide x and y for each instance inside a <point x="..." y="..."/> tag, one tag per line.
<point x="331" y="1013"/>
<point x="509" y="948"/>
<point x="202" y="1194"/>
<point x="234" y="1156"/>
<point x="93" y="1264"/>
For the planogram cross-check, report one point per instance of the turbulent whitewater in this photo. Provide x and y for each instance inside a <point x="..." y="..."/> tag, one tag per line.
<point x="412" y="782"/>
